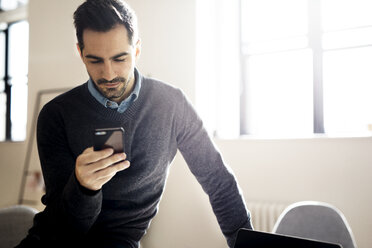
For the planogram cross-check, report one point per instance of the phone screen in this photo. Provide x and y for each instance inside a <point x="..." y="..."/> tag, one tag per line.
<point x="109" y="138"/>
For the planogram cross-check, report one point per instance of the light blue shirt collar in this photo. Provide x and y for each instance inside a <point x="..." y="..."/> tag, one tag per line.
<point x="124" y="105"/>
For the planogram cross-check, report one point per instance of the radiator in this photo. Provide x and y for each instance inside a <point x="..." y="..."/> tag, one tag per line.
<point x="265" y="214"/>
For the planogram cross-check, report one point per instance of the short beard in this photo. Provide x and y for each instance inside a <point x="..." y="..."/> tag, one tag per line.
<point x="115" y="80"/>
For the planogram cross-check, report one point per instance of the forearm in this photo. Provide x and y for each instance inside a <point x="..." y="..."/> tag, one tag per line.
<point x="69" y="209"/>
<point x="228" y="205"/>
<point x="224" y="194"/>
<point x="216" y="178"/>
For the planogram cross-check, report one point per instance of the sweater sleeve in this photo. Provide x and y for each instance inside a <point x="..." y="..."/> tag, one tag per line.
<point x="70" y="209"/>
<point x="215" y="177"/>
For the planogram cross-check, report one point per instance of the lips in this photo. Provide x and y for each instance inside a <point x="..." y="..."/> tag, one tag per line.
<point x="111" y="85"/>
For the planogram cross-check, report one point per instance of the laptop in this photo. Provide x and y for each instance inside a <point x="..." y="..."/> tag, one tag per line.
<point x="255" y="239"/>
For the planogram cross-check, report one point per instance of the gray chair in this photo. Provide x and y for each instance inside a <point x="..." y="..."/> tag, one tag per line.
<point x="315" y="220"/>
<point x="15" y="221"/>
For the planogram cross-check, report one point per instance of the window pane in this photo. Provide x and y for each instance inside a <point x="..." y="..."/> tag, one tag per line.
<point x="342" y="14"/>
<point x="348" y="38"/>
<point x="18" y="81"/>
<point x="279" y="93"/>
<point x="8" y="4"/>
<point x="19" y="109"/>
<point x="273" y="19"/>
<point x="277" y="45"/>
<point x="2" y="116"/>
<point x="2" y="55"/>
<point x="347" y="90"/>
<point x="18" y="49"/>
<point x="2" y="86"/>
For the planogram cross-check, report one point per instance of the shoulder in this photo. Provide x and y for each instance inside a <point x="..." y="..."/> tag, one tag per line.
<point x="69" y="97"/>
<point x="157" y="90"/>
<point x="160" y="87"/>
<point x="61" y="103"/>
<point x="166" y="97"/>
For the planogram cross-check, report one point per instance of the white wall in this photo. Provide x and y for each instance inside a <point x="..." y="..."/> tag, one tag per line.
<point x="334" y="170"/>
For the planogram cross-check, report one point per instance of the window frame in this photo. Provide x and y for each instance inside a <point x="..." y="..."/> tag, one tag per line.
<point x="314" y="36"/>
<point x="9" y="18"/>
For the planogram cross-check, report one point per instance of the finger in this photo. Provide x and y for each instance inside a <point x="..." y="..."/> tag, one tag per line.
<point x="99" y="178"/>
<point x="93" y="156"/>
<point x="109" y="161"/>
<point x="111" y="171"/>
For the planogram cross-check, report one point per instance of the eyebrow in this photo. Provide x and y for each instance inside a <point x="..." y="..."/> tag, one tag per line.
<point x="91" y="56"/>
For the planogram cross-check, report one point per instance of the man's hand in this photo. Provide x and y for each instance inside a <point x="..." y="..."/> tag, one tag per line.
<point x="95" y="168"/>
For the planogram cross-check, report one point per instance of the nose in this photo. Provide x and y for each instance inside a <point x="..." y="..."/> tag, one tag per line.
<point x="108" y="72"/>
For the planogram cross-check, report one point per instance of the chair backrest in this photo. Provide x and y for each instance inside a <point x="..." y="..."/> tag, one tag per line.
<point x="15" y="221"/>
<point x="315" y="220"/>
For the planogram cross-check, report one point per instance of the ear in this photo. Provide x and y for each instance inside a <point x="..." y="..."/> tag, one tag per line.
<point x="138" y="48"/>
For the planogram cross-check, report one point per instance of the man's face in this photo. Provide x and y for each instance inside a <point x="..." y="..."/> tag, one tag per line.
<point x="110" y="60"/>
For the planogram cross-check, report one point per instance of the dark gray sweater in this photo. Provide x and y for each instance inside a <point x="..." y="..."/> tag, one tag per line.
<point x="158" y="123"/>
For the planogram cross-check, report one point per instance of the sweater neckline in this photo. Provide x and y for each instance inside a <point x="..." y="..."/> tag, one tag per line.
<point x="113" y="114"/>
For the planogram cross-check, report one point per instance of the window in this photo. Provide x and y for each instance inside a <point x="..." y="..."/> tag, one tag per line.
<point x="277" y="67"/>
<point x="13" y="71"/>
<point x="7" y="5"/>
<point x="347" y="63"/>
<point x="304" y="66"/>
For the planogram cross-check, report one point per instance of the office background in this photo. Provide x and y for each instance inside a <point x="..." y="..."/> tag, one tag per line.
<point x="331" y="169"/>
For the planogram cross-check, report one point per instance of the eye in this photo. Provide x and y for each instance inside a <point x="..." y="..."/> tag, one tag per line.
<point x="119" y="60"/>
<point x="96" y="61"/>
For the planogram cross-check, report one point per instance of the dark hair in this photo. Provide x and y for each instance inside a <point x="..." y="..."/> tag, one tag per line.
<point x="103" y="15"/>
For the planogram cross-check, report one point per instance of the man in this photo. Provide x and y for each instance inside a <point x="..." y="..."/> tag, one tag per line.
<point x="102" y="199"/>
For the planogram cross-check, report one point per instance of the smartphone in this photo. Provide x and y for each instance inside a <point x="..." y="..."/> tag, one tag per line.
<point x="109" y="138"/>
